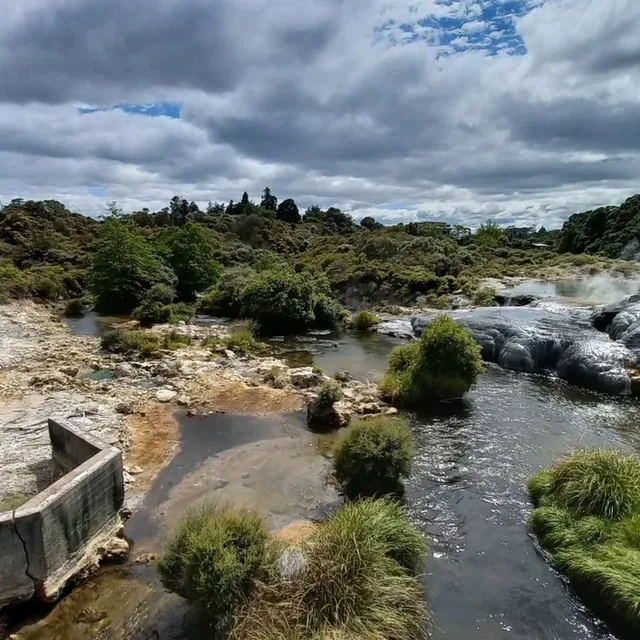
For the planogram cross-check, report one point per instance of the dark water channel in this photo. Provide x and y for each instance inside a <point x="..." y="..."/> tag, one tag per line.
<point x="486" y="579"/>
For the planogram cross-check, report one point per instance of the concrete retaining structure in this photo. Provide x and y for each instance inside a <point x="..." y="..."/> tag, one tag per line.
<point x="49" y="539"/>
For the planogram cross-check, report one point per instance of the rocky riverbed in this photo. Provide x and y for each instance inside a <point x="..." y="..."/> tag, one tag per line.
<point x="45" y="371"/>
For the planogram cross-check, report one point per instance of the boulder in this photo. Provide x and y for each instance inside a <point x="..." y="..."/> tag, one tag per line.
<point x="166" y="395"/>
<point x="305" y="378"/>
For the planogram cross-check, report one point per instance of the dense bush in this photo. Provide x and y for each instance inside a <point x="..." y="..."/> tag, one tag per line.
<point x="443" y="364"/>
<point x="243" y="342"/>
<point x="213" y="560"/>
<point x="357" y="581"/>
<point x="124" y="268"/>
<point x="373" y="457"/>
<point x="364" y="320"/>
<point x="189" y="252"/>
<point x="587" y="516"/>
<point x="74" y="308"/>
<point x="225" y="298"/>
<point x="281" y="302"/>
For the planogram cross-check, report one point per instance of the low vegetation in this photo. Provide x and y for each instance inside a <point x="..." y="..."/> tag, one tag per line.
<point x="142" y="343"/>
<point x="364" y="320"/>
<point x="213" y="561"/>
<point x="443" y="364"/>
<point x="49" y="253"/>
<point x="587" y="516"/>
<point x="356" y="576"/>
<point x="373" y="457"/>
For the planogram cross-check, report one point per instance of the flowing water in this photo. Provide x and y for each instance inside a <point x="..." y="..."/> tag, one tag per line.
<point x="486" y="579"/>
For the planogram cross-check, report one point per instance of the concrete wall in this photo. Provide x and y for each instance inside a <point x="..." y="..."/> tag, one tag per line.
<point x="46" y="539"/>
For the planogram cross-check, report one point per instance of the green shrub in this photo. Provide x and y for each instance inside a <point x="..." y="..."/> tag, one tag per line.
<point x="284" y="302"/>
<point x="364" y="320"/>
<point x="588" y="518"/>
<point x="443" y="364"/>
<point x="130" y="342"/>
<point x="354" y="583"/>
<point x="327" y="312"/>
<point x="343" y="376"/>
<point x="329" y="392"/>
<point x="74" y="308"/>
<point x="357" y="582"/>
<point x="174" y="340"/>
<point x="385" y="521"/>
<point x="225" y="298"/>
<point x="213" y="561"/>
<point x="243" y="343"/>
<point x="161" y="293"/>
<point x="151" y="312"/>
<point x="484" y="297"/>
<point x="188" y="250"/>
<point x="124" y="268"/>
<point x="373" y="457"/>
<point x="600" y="483"/>
<point x="13" y="282"/>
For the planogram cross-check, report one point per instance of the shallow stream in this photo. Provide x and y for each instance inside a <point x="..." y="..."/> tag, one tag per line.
<point x="486" y="579"/>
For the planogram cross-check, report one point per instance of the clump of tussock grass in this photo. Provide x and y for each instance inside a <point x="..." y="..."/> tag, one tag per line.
<point x="213" y="561"/>
<point x="588" y="518"/>
<point x="599" y="483"/>
<point x="373" y="457"/>
<point x="359" y="582"/>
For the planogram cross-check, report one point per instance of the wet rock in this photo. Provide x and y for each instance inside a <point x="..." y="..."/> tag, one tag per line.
<point x="90" y="616"/>
<point x="145" y="558"/>
<point x="125" y="370"/>
<point x="125" y="408"/>
<point x="183" y="401"/>
<point x="166" y="395"/>
<point x="369" y="408"/>
<point x="306" y="378"/>
<point x="72" y="372"/>
<point x="116" y="548"/>
<point x="229" y="355"/>
<point x="322" y="418"/>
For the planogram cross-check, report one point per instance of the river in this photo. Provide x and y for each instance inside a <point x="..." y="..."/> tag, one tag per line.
<point x="485" y="577"/>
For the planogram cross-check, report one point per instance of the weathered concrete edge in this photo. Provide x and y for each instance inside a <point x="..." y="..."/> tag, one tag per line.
<point x="21" y="530"/>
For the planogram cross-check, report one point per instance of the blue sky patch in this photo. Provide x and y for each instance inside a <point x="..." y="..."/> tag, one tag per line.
<point x="159" y="109"/>
<point x="484" y="25"/>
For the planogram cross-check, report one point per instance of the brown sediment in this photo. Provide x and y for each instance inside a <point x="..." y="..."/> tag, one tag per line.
<point x="154" y="436"/>
<point x="234" y="396"/>
<point x="295" y="532"/>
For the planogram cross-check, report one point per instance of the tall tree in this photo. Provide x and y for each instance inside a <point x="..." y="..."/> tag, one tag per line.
<point x="124" y="267"/>
<point x="288" y="212"/>
<point x="370" y="223"/>
<point x="189" y="252"/>
<point x="269" y="201"/>
<point x="245" y="198"/>
<point x="180" y="210"/>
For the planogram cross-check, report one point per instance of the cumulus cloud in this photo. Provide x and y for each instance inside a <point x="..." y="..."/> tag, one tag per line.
<point x="460" y="110"/>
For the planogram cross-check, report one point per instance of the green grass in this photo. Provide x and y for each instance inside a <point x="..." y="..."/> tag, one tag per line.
<point x="359" y="582"/>
<point x="142" y="343"/>
<point x="373" y="457"/>
<point x="213" y="561"/>
<point x="13" y="502"/>
<point x="364" y="320"/>
<point x="588" y="517"/>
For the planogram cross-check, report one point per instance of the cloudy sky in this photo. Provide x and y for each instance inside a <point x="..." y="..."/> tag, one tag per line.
<point x="521" y="110"/>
